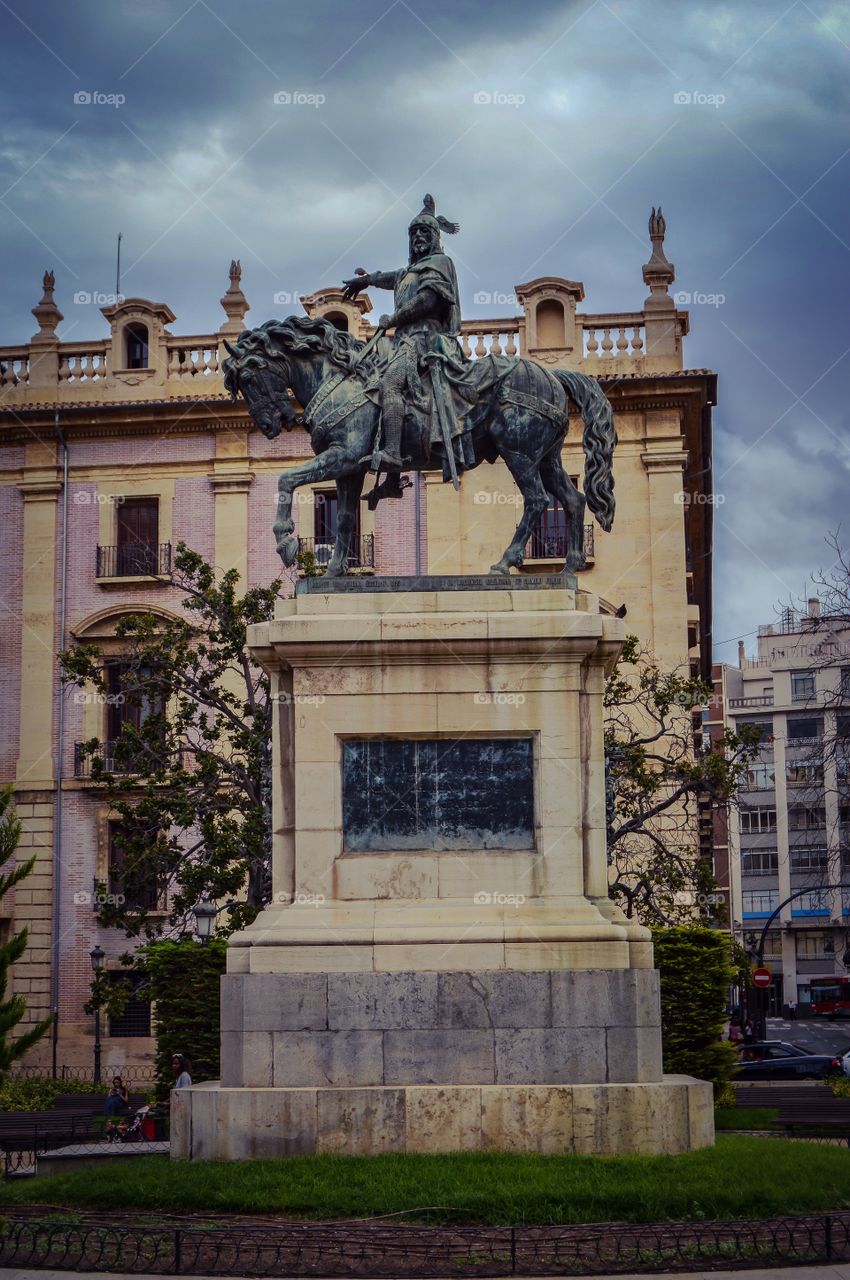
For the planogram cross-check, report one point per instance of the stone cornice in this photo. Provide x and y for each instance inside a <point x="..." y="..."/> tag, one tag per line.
<point x="232" y="482"/>
<point x="40" y="490"/>
<point x="666" y="460"/>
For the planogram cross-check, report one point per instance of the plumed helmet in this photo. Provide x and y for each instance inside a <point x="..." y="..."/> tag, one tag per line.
<point x="427" y="217"/>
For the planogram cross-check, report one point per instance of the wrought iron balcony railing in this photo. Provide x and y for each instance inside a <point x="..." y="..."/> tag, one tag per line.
<point x="180" y="759"/>
<point x="136" y="559"/>
<point x="546" y="545"/>
<point x="361" y="554"/>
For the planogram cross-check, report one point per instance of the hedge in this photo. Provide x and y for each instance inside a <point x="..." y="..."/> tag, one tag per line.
<point x="184" y="981"/>
<point x="696" y="969"/>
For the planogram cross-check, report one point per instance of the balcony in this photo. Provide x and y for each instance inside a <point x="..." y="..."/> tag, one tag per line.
<point x="551" y="544"/>
<point x="361" y="554"/>
<point x="760" y="700"/>
<point x="182" y="759"/>
<point x="135" y="560"/>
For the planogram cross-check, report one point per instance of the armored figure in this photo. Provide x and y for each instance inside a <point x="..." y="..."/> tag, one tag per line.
<point x="422" y="371"/>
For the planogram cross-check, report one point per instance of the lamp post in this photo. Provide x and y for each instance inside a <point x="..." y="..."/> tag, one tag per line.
<point x="205" y="914"/>
<point x="97" y="956"/>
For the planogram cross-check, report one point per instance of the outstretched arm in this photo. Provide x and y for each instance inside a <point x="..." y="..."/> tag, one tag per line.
<point x="423" y="304"/>
<point x="368" y="279"/>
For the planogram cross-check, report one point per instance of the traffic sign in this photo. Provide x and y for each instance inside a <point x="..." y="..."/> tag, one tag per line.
<point x="761" y="977"/>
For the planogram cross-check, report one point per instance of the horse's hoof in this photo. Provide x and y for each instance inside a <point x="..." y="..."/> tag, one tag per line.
<point x="333" y="572"/>
<point x="287" y="549"/>
<point x="500" y="570"/>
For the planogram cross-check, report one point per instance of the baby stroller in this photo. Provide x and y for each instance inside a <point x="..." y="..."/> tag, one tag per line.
<point x="135" y="1130"/>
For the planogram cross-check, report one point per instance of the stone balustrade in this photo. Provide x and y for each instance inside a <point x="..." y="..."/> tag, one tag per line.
<point x="82" y="361"/>
<point x="14" y="366"/>
<point x="490" y="337"/>
<point x="196" y="357"/>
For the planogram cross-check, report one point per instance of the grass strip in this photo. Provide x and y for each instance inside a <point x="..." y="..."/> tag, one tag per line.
<point x="740" y="1177"/>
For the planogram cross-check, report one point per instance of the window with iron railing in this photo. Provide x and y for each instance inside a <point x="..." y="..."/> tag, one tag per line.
<point x="806" y="818"/>
<point x="808" y="858"/>
<point x="133" y="882"/>
<point x="754" y="821"/>
<point x="760" y="862"/>
<point x="134" y="1021"/>
<point x="802" y="686"/>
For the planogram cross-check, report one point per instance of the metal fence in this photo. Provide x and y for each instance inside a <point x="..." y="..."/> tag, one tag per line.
<point x="145" y="1074"/>
<point x="164" y="1247"/>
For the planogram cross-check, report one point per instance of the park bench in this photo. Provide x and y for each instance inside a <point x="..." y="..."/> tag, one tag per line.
<point x="773" y="1095"/>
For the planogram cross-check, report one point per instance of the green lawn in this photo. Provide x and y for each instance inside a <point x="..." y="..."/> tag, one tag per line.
<point x="740" y="1177"/>
<point x="745" y="1117"/>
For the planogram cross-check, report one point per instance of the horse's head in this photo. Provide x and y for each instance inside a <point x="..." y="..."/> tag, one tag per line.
<point x="263" y="380"/>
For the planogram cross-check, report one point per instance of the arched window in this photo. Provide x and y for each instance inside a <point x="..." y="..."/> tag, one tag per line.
<point x="338" y="319"/>
<point x="550" y="324"/>
<point x="136" y="346"/>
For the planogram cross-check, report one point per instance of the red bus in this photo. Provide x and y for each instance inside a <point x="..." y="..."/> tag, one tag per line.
<point x="831" y="996"/>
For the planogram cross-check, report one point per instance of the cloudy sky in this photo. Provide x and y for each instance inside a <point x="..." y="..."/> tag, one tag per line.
<point x="159" y="120"/>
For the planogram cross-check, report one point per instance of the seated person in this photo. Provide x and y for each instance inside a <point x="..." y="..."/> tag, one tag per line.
<point x="116" y="1109"/>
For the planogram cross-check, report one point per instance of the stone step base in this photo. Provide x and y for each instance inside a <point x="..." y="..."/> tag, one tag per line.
<point x="209" y="1122"/>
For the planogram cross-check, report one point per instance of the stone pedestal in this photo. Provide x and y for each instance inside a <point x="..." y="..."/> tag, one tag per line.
<point x="441" y="967"/>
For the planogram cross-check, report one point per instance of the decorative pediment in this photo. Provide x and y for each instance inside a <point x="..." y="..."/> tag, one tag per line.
<point x="100" y="626"/>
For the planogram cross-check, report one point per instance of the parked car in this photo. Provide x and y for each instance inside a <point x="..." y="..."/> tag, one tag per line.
<point x="781" y="1060"/>
<point x="844" y="1055"/>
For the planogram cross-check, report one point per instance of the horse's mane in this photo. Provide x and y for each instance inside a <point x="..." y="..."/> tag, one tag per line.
<point x="296" y="334"/>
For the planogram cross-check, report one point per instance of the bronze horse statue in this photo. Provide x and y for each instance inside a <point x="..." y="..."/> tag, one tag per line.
<point x="522" y="417"/>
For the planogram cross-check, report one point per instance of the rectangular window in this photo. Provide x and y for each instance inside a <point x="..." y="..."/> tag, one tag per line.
<point x="810" y="727"/>
<point x="773" y="945"/>
<point x="813" y="945"/>
<point x="754" y="821"/>
<point x="130" y="880"/>
<point x="804" y="773"/>
<point x="803" y="817"/>
<point x="844" y="687"/>
<point x="135" y="1018"/>
<point x="760" y="902"/>
<point x="137" y="530"/>
<point x="814" y="900"/>
<point x="802" y="686"/>
<point x="325" y="523"/>
<point x="804" y="858"/>
<point x="549" y="536"/>
<point x="759" y="862"/>
<point x="760" y="777"/>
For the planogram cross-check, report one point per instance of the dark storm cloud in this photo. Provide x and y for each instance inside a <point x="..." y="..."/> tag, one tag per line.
<point x="199" y="165"/>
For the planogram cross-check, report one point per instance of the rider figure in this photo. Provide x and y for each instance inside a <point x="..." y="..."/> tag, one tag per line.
<point x="426" y="321"/>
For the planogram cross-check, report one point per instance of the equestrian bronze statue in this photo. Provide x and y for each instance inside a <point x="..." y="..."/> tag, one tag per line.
<point x="409" y="399"/>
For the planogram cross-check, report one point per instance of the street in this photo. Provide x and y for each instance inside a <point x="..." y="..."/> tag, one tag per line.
<point x="818" y="1035"/>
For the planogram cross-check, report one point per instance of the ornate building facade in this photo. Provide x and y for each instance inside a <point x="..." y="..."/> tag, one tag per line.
<point x="115" y="449"/>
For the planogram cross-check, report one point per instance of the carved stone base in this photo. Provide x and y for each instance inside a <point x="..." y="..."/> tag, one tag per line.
<point x="672" y="1116"/>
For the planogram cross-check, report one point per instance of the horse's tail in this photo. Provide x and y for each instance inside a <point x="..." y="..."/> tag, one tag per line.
<point x="599" y="439"/>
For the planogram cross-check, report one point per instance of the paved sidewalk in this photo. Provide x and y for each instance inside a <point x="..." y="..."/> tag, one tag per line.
<point x="840" y="1271"/>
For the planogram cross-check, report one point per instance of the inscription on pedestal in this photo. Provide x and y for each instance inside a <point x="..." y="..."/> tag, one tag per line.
<point x="437" y="794"/>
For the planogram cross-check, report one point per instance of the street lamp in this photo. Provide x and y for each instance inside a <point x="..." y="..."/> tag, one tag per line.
<point x="97" y="956"/>
<point x="205" y="914"/>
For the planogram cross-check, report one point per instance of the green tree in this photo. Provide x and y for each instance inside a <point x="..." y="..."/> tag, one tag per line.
<point x="189" y="777"/>
<point x="660" y="777"/>
<point x="13" y="1009"/>
<point x="697" y="965"/>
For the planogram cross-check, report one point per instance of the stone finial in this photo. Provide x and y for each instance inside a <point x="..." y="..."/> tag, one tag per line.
<point x="658" y="273"/>
<point x="234" y="302"/>
<point x="47" y="313"/>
